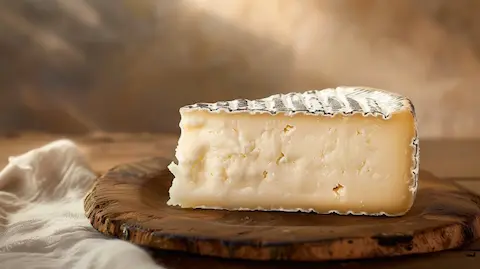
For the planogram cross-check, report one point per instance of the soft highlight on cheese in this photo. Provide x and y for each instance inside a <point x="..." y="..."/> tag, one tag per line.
<point x="345" y="150"/>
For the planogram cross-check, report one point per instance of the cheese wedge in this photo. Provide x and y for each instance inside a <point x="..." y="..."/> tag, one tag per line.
<point x="348" y="150"/>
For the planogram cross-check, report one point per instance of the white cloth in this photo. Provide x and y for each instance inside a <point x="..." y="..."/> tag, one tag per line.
<point x="42" y="221"/>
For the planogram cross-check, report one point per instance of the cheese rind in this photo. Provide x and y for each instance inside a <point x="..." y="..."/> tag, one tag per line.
<point x="346" y="150"/>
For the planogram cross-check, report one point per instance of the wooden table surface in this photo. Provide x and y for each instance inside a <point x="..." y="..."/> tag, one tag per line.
<point x="457" y="160"/>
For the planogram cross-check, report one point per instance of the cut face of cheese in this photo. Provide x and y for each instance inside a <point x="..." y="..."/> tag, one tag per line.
<point x="346" y="150"/>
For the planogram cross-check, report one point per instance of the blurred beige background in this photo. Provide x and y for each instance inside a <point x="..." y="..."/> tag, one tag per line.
<point x="77" y="66"/>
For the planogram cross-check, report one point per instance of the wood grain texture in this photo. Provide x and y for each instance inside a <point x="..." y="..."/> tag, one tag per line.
<point x="442" y="260"/>
<point x="129" y="202"/>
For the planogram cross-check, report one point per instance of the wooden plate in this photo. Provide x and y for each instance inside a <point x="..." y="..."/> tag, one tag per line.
<point x="129" y="202"/>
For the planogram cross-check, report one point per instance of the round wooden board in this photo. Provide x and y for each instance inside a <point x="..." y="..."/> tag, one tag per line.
<point x="129" y="202"/>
